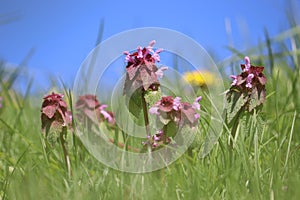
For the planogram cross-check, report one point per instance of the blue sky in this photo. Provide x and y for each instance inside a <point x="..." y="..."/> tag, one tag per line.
<point x="64" y="32"/>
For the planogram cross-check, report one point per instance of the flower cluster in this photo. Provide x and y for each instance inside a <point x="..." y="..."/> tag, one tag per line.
<point x="250" y="78"/>
<point x="141" y="69"/>
<point x="55" y="120"/>
<point x="157" y="140"/>
<point x="88" y="107"/>
<point x="143" y="55"/>
<point x="54" y="113"/>
<point x="247" y="90"/>
<point x="197" y="78"/>
<point x="172" y="109"/>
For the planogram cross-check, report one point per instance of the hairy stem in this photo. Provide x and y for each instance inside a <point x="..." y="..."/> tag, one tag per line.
<point x="146" y="118"/>
<point x="145" y="111"/>
<point x="66" y="155"/>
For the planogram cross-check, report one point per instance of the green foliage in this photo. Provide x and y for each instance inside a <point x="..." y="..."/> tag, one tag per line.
<point x="135" y="103"/>
<point x="262" y="163"/>
<point x="170" y="129"/>
<point x="152" y="97"/>
<point x="235" y="102"/>
<point x="52" y="137"/>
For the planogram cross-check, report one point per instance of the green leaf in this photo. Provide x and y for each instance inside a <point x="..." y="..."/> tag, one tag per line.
<point x="135" y="103"/>
<point x="260" y="123"/>
<point x="52" y="137"/>
<point x="170" y="129"/>
<point x="257" y="97"/>
<point x="235" y="101"/>
<point x="152" y="97"/>
<point x="244" y="124"/>
<point x="163" y="118"/>
<point x="254" y="99"/>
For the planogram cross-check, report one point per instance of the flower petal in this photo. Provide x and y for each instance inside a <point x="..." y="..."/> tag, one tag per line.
<point x="160" y="72"/>
<point x="154" y="110"/>
<point x="49" y="111"/>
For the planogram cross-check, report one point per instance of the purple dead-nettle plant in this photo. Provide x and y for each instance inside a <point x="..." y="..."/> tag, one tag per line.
<point x="170" y="109"/>
<point x="157" y="140"/>
<point x="171" y="116"/>
<point x="56" y="119"/>
<point x="252" y="77"/>
<point x="89" y="110"/>
<point x="107" y="115"/>
<point x="91" y="114"/>
<point x="247" y="91"/>
<point x="141" y="69"/>
<point x="142" y="87"/>
<point x="55" y="116"/>
<point x="246" y="94"/>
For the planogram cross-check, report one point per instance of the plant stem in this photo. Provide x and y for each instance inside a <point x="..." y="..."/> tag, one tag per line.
<point x="116" y="139"/>
<point x="146" y="119"/>
<point x="66" y="155"/>
<point x="234" y="129"/>
<point x="145" y="111"/>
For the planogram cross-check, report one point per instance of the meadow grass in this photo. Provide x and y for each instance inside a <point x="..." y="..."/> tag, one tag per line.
<point x="262" y="163"/>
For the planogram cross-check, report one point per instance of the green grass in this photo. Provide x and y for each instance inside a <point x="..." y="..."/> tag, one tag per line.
<point x="264" y="163"/>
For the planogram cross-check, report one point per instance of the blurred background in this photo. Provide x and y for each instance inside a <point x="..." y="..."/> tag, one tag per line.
<point x="50" y="39"/>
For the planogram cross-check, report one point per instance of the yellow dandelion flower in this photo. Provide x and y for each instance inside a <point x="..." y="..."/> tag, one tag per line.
<point x="199" y="78"/>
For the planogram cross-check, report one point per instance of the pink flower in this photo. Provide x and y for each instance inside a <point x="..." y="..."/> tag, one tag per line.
<point x="106" y="114"/>
<point x="54" y="113"/>
<point x="140" y="52"/>
<point x="141" y="69"/>
<point x="88" y="107"/>
<point x="247" y="64"/>
<point x="166" y="104"/>
<point x="157" y="140"/>
<point x="176" y="103"/>
<point x="234" y="82"/>
<point x="160" y="72"/>
<point x="197" y="116"/>
<point x="196" y="104"/>
<point x="249" y="80"/>
<point x="150" y="46"/>
<point x="154" y="110"/>
<point x="143" y="55"/>
<point x="172" y="109"/>
<point x="250" y="85"/>
<point x="0" y="102"/>
<point x="250" y="77"/>
<point x="156" y="137"/>
<point x="155" y="55"/>
<point x="128" y="58"/>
